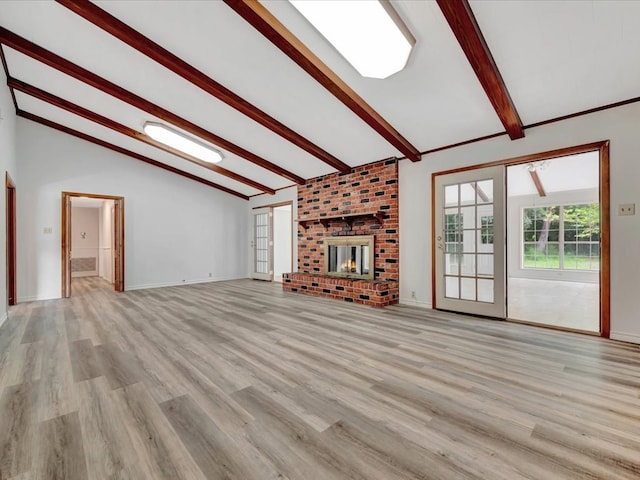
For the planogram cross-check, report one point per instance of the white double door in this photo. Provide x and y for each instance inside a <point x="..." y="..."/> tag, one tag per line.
<point x="469" y="242"/>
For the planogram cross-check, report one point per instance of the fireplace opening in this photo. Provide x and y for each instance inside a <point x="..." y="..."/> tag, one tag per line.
<point x="350" y="256"/>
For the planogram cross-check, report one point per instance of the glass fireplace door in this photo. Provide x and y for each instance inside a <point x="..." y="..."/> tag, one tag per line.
<point x="349" y="256"/>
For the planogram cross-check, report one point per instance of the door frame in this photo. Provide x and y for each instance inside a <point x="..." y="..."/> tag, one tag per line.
<point x="11" y="252"/>
<point x="271" y="206"/>
<point x="605" y="218"/>
<point x="118" y="236"/>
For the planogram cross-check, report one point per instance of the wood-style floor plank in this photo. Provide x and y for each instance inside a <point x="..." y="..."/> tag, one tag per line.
<point x="36" y="326"/>
<point x="239" y="380"/>
<point x="219" y="455"/>
<point x="117" y="365"/>
<point x="84" y="362"/>
<point x="60" y="450"/>
<point x="17" y="422"/>
<point x="57" y="396"/>
<point x="161" y="454"/>
<point x="108" y="447"/>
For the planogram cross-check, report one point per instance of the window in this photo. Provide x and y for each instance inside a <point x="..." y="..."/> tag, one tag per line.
<point x="486" y="230"/>
<point x="453" y="236"/>
<point x="565" y="237"/>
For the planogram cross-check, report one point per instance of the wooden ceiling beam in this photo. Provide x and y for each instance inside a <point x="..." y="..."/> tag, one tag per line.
<point x="5" y="67"/>
<point x="59" y="63"/>
<point x="463" y="23"/>
<point x="128" y="153"/>
<point x="269" y="26"/>
<point x="538" y="183"/>
<point x="148" y="47"/>
<point x="481" y="193"/>
<point x="127" y="131"/>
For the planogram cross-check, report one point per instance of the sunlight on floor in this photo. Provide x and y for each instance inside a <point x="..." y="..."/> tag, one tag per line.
<point x="565" y="304"/>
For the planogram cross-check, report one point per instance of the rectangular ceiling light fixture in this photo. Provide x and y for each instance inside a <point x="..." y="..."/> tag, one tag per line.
<point x="180" y="141"/>
<point x="369" y="34"/>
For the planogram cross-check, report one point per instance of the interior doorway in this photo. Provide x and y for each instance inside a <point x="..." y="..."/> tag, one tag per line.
<point x="12" y="295"/>
<point x="542" y="256"/>
<point x="554" y="242"/>
<point x="92" y="239"/>
<point x="272" y="241"/>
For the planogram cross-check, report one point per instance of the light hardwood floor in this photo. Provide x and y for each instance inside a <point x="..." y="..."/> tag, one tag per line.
<point x="238" y="380"/>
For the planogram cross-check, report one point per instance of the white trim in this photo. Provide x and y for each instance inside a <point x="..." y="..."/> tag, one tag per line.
<point x="412" y="302"/>
<point x="36" y="298"/>
<point x="148" y="285"/>
<point x="184" y="282"/>
<point x="625" y="337"/>
<point x="3" y="318"/>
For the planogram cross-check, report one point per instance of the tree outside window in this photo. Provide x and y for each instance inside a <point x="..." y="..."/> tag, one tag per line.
<point x="453" y="236"/>
<point x="565" y="237"/>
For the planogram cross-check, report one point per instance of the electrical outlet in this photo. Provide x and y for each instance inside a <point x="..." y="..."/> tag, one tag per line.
<point x="413" y="294"/>
<point x="47" y="230"/>
<point x="626" y="209"/>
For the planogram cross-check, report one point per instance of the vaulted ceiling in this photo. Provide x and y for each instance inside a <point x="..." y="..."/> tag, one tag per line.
<point x="258" y="81"/>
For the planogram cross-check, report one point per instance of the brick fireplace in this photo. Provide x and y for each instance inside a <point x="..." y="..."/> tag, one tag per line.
<point x="363" y="202"/>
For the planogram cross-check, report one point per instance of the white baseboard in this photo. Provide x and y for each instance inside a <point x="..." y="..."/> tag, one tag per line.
<point x="625" y="337"/>
<point x="37" y="298"/>
<point x="412" y="302"/>
<point x="186" y="282"/>
<point x="3" y="318"/>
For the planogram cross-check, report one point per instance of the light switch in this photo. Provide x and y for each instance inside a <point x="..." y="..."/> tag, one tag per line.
<point x="47" y="230"/>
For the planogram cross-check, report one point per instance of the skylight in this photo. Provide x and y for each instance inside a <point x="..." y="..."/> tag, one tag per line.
<point x="175" y="139"/>
<point x="369" y="34"/>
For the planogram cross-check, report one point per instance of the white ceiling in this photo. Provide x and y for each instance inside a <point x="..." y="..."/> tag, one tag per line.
<point x="560" y="57"/>
<point x="556" y="58"/>
<point x="562" y="174"/>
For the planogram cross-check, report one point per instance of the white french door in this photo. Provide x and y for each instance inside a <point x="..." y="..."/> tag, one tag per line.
<point x="261" y="241"/>
<point x="469" y="242"/>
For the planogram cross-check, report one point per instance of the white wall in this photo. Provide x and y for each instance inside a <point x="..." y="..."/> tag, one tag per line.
<point x="285" y="195"/>
<point x="620" y="125"/>
<point x="105" y="236"/>
<point x="176" y="230"/>
<point x="282" y="231"/>
<point x="84" y="236"/>
<point x="7" y="164"/>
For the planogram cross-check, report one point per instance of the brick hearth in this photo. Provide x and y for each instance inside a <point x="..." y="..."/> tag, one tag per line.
<point x="368" y="189"/>
<point x="377" y="293"/>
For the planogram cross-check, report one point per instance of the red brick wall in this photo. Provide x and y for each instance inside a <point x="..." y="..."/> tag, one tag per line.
<point x="367" y="189"/>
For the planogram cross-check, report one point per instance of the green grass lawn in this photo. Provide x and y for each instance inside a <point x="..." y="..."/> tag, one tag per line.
<point x="553" y="261"/>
